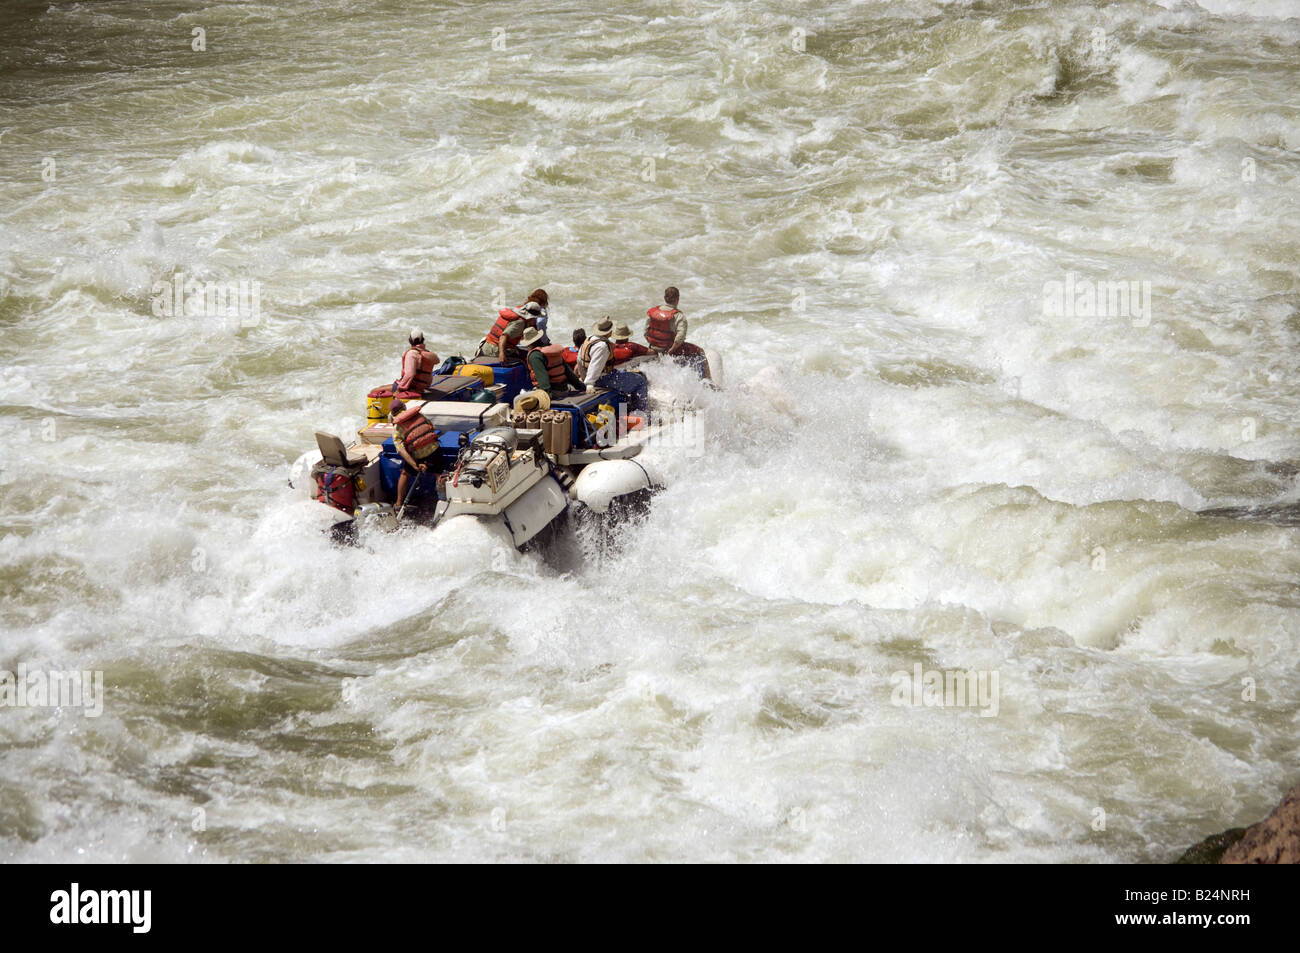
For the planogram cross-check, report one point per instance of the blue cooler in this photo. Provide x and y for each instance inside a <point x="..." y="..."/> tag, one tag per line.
<point x="513" y="374"/>
<point x="580" y="405"/>
<point x="633" y="387"/>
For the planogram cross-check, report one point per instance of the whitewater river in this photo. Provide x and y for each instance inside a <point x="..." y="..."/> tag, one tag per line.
<point x="948" y="442"/>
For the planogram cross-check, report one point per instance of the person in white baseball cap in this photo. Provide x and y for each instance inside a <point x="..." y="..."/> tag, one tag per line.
<point x="418" y="363"/>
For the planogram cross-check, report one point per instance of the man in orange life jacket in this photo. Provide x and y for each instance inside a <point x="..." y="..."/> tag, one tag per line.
<point x="546" y="365"/>
<point x="665" y="332"/>
<point x="502" y="340"/>
<point x="417" y="365"/>
<point x="415" y="439"/>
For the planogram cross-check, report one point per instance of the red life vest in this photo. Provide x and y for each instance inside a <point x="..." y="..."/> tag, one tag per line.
<point x="554" y="354"/>
<point x="335" y="487"/>
<point x="423" y="372"/>
<point x="659" y="332"/>
<point x="417" y="433"/>
<point x="504" y="318"/>
<point x="621" y="352"/>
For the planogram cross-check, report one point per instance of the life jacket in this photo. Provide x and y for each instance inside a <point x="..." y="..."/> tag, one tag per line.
<point x="335" y="487"/>
<point x="504" y="318"/>
<point x="554" y="355"/>
<point x="620" y="352"/>
<point x="584" y="356"/>
<point x="423" y="373"/>
<point x="659" y="332"/>
<point x="417" y="433"/>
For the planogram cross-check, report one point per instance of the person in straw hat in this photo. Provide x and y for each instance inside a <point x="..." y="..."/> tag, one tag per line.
<point x="595" y="353"/>
<point x="623" y="342"/>
<point x="546" y="365"/>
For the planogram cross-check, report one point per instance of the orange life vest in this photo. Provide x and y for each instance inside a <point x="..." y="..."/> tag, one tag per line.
<point x="554" y="354"/>
<point x="423" y="373"/>
<point x="659" y="332"/>
<point x="504" y="318"/>
<point x="417" y="433"/>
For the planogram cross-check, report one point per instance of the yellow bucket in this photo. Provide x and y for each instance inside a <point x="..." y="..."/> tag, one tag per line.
<point x="377" y="403"/>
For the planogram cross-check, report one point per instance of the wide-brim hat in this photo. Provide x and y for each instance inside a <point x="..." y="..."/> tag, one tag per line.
<point x="533" y="400"/>
<point x="603" y="328"/>
<point x="531" y="337"/>
<point x="622" y="333"/>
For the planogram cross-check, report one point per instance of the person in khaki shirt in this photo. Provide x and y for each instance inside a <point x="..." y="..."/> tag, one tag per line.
<point x="665" y="332"/>
<point x="595" y="353"/>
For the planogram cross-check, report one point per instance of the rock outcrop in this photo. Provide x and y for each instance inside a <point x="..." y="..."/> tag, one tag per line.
<point x="1274" y="840"/>
<point x="1210" y="850"/>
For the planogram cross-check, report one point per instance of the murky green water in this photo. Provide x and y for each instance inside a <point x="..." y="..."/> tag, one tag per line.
<point x="918" y="460"/>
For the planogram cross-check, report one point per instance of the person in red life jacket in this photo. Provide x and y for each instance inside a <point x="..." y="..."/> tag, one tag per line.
<point x="415" y="439"/>
<point x="665" y="332"/>
<point x="546" y="365"/>
<point x="417" y="365"/>
<point x="595" y="353"/>
<point x="502" y="340"/>
<point x="571" y="353"/>
<point x="665" y="328"/>
<point x="624" y="347"/>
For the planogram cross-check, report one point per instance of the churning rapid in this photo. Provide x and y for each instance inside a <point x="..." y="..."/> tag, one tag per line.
<point x="1007" y="295"/>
